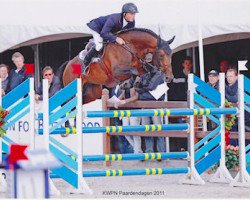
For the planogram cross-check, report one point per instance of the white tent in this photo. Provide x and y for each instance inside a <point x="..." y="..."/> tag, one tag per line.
<point x="26" y="22"/>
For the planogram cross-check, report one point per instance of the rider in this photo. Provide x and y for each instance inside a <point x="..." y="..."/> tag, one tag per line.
<point x="103" y="28"/>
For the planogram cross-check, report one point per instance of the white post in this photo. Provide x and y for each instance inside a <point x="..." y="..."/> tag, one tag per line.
<point x="82" y="185"/>
<point x="193" y="57"/>
<point x="201" y="59"/>
<point x="193" y="177"/>
<point x="46" y="113"/>
<point x="166" y="122"/>
<point x="3" y="183"/>
<point x="222" y="174"/>
<point x="167" y="138"/>
<point x="242" y="179"/>
<point x="32" y="114"/>
<point x="201" y="54"/>
<point x="53" y="191"/>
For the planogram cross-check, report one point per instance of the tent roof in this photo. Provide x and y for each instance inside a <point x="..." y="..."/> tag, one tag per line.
<point x="26" y="22"/>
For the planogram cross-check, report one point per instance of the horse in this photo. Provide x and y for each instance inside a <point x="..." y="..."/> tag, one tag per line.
<point x="118" y="61"/>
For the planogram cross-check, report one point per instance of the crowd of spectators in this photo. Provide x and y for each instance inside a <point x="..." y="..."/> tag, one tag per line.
<point x="10" y="79"/>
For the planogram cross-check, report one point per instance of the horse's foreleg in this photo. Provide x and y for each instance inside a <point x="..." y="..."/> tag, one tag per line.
<point x="91" y="92"/>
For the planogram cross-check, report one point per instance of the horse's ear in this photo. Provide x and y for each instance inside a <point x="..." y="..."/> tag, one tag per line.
<point x="171" y="40"/>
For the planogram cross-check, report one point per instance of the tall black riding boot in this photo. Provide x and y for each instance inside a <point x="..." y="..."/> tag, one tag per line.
<point x="91" y="53"/>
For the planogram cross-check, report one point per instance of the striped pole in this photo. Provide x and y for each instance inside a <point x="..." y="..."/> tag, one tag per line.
<point x="160" y="112"/>
<point x="119" y="129"/>
<point x="137" y="172"/>
<point x="141" y="156"/>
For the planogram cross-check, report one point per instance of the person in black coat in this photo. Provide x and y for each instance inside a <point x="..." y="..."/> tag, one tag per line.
<point x="17" y="76"/>
<point x="54" y="84"/>
<point x="179" y="86"/>
<point x="103" y="28"/>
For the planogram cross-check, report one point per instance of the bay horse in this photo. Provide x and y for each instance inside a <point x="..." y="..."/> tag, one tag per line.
<point x="117" y="61"/>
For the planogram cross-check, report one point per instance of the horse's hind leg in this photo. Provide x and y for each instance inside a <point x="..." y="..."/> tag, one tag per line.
<point x="91" y="92"/>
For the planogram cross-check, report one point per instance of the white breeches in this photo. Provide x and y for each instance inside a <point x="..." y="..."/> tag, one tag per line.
<point x="97" y="40"/>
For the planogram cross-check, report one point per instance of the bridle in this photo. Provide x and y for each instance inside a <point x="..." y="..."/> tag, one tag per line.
<point x="154" y="66"/>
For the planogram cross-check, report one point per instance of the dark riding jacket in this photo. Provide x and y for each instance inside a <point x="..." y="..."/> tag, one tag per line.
<point x="106" y="26"/>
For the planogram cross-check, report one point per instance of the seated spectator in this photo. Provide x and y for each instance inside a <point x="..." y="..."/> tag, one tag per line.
<point x="224" y="65"/>
<point x="4" y="77"/>
<point x="148" y="82"/>
<point x="179" y="85"/>
<point x="231" y="91"/>
<point x="17" y="76"/>
<point x="54" y="84"/>
<point x="130" y="95"/>
<point x="213" y="79"/>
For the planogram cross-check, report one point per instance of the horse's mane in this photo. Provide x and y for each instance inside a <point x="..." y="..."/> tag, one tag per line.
<point x="144" y="30"/>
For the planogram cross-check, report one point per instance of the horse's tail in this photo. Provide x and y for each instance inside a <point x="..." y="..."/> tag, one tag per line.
<point x="60" y="70"/>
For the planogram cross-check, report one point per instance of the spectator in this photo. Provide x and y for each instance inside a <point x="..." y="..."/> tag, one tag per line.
<point x="231" y="91"/>
<point x="180" y="85"/>
<point x="54" y="84"/>
<point x="213" y="79"/>
<point x="224" y="65"/>
<point x="130" y="95"/>
<point x="232" y="96"/>
<point x="4" y="77"/>
<point x="178" y="92"/>
<point x="123" y="144"/>
<point x="148" y="82"/>
<point x="17" y="76"/>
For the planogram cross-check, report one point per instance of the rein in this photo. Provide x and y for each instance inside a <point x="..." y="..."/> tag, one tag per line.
<point x="141" y="60"/>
